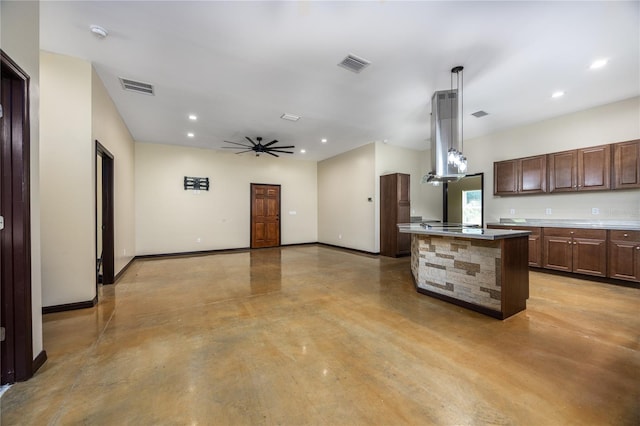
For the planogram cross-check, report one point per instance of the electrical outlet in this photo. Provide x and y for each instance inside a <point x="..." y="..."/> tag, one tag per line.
<point x="595" y="210"/>
<point x="512" y="211"/>
<point x="198" y="240"/>
<point x="293" y="212"/>
<point x="547" y="211"/>
<point x="339" y="236"/>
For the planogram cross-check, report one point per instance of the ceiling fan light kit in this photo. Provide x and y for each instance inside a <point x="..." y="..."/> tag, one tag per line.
<point x="259" y="148"/>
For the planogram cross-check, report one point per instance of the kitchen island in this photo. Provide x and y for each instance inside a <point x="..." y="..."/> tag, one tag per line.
<point x="485" y="270"/>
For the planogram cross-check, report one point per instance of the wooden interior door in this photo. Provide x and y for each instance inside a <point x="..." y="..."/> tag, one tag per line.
<point x="16" y="349"/>
<point x="265" y="215"/>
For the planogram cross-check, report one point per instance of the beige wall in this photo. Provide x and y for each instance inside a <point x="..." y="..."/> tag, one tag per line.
<point x="66" y="171"/>
<point x="109" y="129"/>
<point x="610" y="123"/>
<point x="172" y="220"/>
<point x="345" y="216"/>
<point x="75" y="111"/>
<point x="20" y="39"/>
<point x="426" y="200"/>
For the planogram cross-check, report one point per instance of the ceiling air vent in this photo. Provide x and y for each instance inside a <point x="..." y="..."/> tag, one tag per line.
<point x="354" y="63"/>
<point x="480" y="113"/>
<point x="137" y="86"/>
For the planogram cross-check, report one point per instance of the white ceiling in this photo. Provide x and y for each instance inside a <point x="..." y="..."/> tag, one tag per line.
<point x="240" y="65"/>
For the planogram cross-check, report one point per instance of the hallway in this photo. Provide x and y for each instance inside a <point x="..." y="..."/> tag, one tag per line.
<point x="317" y="335"/>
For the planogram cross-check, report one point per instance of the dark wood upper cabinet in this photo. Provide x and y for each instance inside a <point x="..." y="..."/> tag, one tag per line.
<point x="586" y="169"/>
<point x="533" y="174"/>
<point x="395" y="208"/>
<point x="626" y="165"/>
<point x="594" y="168"/>
<point x="505" y="177"/>
<point x="520" y="176"/>
<point x="563" y="171"/>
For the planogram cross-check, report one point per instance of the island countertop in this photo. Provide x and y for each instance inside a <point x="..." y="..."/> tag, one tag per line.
<point x="462" y="232"/>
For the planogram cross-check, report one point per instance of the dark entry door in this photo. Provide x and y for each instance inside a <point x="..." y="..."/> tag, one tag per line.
<point x="265" y="215"/>
<point x="17" y="361"/>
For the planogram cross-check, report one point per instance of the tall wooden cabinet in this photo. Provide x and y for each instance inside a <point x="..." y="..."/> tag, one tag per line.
<point x="395" y="208"/>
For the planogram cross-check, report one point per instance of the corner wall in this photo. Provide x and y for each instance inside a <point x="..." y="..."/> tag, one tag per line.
<point x="609" y="123"/>
<point x="67" y="191"/>
<point x="345" y="216"/>
<point x="20" y="39"/>
<point x="110" y="130"/>
<point x="75" y="111"/>
<point x="172" y="220"/>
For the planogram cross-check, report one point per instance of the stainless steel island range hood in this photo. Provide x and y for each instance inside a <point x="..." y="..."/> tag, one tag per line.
<point x="447" y="161"/>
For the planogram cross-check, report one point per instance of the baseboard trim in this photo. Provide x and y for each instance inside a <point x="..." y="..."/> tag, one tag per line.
<point x="38" y="361"/>
<point x="368" y="253"/>
<point x="586" y="277"/>
<point x="70" y="306"/>
<point x="191" y="253"/>
<point x="123" y="270"/>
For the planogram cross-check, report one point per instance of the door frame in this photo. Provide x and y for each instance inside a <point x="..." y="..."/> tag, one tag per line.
<point x="445" y="198"/>
<point x="108" y="239"/>
<point x="251" y="223"/>
<point x="17" y="360"/>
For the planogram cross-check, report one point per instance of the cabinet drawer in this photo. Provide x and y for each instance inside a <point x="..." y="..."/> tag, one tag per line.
<point x="625" y="235"/>
<point x="596" y="234"/>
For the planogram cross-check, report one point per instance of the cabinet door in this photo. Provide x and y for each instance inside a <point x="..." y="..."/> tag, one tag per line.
<point x="505" y="177"/>
<point x="590" y="256"/>
<point x="624" y="255"/>
<point x="535" y="250"/>
<point x="594" y="168"/>
<point x="557" y="252"/>
<point x="404" y="213"/>
<point x="533" y="174"/>
<point x="563" y="171"/>
<point x="626" y="165"/>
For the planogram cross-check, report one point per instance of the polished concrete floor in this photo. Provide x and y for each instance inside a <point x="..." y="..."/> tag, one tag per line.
<point x="315" y="335"/>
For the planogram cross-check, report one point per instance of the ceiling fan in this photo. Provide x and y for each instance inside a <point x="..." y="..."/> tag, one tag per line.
<point x="259" y="148"/>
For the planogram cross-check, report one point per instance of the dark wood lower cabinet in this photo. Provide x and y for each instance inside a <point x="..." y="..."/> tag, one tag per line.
<point x="624" y="255"/>
<point x="535" y="242"/>
<point x="598" y="252"/>
<point x="583" y="251"/>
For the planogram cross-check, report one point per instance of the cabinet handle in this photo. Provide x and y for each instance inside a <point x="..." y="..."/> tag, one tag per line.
<point x="638" y="248"/>
<point x="571" y="232"/>
<point x="626" y="235"/>
<point x="575" y="244"/>
<point x="569" y="242"/>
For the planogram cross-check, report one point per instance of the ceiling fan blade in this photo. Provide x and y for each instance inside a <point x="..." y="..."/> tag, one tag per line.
<point x="237" y="147"/>
<point x="249" y="139"/>
<point x="271" y="143"/>
<point x="240" y="152"/>
<point x="277" y="150"/>
<point x="241" y="144"/>
<point x="282" y="147"/>
<point x="271" y="153"/>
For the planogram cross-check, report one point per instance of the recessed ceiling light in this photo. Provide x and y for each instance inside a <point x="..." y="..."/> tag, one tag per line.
<point x="557" y="94"/>
<point x="193" y="117"/>
<point x="599" y="64"/>
<point x="302" y="151"/>
<point x="290" y="117"/>
<point x="190" y="134"/>
<point x="323" y="140"/>
<point x="99" y="31"/>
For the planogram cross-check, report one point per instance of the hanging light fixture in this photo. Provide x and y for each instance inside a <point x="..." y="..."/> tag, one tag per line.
<point x="448" y="163"/>
<point x="455" y="157"/>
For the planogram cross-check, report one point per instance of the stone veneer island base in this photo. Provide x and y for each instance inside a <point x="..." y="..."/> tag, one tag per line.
<point x="486" y="271"/>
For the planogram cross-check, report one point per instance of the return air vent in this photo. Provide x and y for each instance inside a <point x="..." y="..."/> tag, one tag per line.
<point x="480" y="113"/>
<point x="137" y="86"/>
<point x="354" y="63"/>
